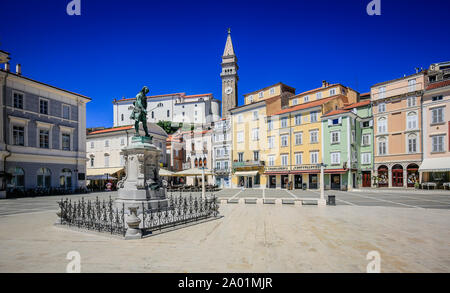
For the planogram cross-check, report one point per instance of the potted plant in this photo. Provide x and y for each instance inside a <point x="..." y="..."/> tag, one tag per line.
<point x="416" y="185"/>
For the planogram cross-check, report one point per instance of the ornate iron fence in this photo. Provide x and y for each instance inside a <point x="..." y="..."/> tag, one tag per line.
<point x="104" y="216"/>
<point x="180" y="210"/>
<point x="95" y="215"/>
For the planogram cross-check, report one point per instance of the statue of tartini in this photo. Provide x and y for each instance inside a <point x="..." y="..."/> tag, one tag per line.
<point x="139" y="113"/>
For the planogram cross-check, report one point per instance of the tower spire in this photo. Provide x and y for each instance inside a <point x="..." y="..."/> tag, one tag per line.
<point x="229" y="50"/>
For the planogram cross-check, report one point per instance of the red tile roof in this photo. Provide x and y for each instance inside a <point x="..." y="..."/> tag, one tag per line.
<point x="111" y="129"/>
<point x="438" y="85"/>
<point x="335" y="112"/>
<point x="347" y="108"/>
<point x="306" y="105"/>
<point x="359" y="104"/>
<point x="317" y="89"/>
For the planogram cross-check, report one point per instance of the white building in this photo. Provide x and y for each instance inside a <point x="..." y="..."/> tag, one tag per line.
<point x="221" y="143"/>
<point x="178" y="108"/>
<point x="103" y="148"/>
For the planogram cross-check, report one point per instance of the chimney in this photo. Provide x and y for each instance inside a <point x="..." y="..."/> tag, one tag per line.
<point x="7" y="66"/>
<point x="324" y="83"/>
<point x="19" y="69"/>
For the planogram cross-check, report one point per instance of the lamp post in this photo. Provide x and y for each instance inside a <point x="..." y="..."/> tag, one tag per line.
<point x="322" y="202"/>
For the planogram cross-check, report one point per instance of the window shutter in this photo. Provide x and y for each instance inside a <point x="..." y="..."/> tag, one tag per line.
<point x="371" y="123"/>
<point x="329" y="122"/>
<point x="340" y="120"/>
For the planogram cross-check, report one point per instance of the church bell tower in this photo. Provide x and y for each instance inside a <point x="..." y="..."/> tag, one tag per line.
<point x="229" y="78"/>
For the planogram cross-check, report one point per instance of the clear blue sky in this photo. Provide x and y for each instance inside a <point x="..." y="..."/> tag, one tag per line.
<point x="116" y="47"/>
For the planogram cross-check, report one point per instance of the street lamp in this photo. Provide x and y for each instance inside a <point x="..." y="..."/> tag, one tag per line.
<point x="322" y="202"/>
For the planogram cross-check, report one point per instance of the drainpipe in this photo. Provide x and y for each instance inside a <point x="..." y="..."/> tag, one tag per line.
<point x="5" y="129"/>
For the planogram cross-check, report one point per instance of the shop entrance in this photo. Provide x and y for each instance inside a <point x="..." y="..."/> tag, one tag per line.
<point x="397" y="176"/>
<point x="366" y="179"/>
<point x="336" y="181"/>
<point x="284" y="181"/>
<point x="313" y="179"/>
<point x="298" y="180"/>
<point x="272" y="181"/>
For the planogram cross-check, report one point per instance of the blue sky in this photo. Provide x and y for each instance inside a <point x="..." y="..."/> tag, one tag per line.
<point x="116" y="47"/>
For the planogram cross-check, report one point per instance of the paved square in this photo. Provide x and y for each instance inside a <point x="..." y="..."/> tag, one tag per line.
<point x="409" y="235"/>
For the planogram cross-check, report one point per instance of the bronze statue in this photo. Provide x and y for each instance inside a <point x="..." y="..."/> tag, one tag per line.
<point x="139" y="113"/>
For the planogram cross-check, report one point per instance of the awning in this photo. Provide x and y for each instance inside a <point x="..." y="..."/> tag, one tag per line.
<point x="102" y="171"/>
<point x="246" y="173"/>
<point x="336" y="171"/>
<point x="165" y="172"/>
<point x="435" y="165"/>
<point x="100" y="177"/>
<point x="192" y="172"/>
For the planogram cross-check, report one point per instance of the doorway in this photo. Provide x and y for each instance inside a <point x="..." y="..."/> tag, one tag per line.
<point x="249" y="182"/>
<point x="313" y="179"/>
<point x="298" y="181"/>
<point x="284" y="181"/>
<point x="272" y="181"/>
<point x="336" y="181"/>
<point x="366" y="179"/>
<point x="397" y="176"/>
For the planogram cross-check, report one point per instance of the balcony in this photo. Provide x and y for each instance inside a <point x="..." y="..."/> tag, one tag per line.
<point x="248" y="164"/>
<point x="220" y="171"/>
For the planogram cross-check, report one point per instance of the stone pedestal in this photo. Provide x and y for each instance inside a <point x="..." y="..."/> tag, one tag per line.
<point x="142" y="184"/>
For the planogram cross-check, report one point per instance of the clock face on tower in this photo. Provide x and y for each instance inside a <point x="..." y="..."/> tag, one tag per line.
<point x="228" y="90"/>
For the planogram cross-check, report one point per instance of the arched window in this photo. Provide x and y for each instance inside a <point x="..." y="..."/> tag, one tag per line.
<point x="196" y="163"/>
<point x="92" y="161"/>
<point x="200" y="163"/>
<point x="65" y="180"/>
<point x="44" y="178"/>
<point x="411" y="120"/>
<point x="17" y="179"/>
<point x="204" y="162"/>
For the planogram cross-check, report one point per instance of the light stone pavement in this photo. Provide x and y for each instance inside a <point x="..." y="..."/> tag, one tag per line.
<point x="249" y="238"/>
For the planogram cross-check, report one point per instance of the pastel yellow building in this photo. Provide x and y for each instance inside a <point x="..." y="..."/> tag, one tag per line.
<point x="294" y="151"/>
<point x="249" y="128"/>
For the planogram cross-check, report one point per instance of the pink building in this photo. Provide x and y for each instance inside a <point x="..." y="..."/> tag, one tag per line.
<point x="436" y="136"/>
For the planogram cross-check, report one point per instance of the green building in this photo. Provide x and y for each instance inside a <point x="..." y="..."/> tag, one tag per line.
<point x="347" y="146"/>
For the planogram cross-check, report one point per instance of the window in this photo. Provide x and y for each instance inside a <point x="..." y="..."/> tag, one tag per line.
<point x="92" y="161"/>
<point x="122" y="141"/>
<point x="284" y="122"/>
<point x="272" y="91"/>
<point x="43" y="139"/>
<point x="366" y="124"/>
<point x="336" y="121"/>
<point x="255" y="133"/>
<point x="92" y="144"/>
<point x="66" y="112"/>
<point x="18" y="100"/>
<point x="382" y="146"/>
<point x="153" y="114"/>
<point x="332" y="92"/>
<point x="298" y="119"/>
<point x="240" y="157"/>
<point x="255" y="115"/>
<point x="437" y="98"/>
<point x="382" y="92"/>
<point x="106" y="143"/>
<point x="168" y="113"/>
<point x="65" y="180"/>
<point x="298" y="158"/>
<point x="261" y="94"/>
<point x="412" y="85"/>
<point x="19" y="135"/>
<point x="271" y="142"/>
<point x="314" y="136"/>
<point x="314" y="157"/>
<point x="225" y="165"/>
<point x="66" y="142"/>
<point x="217" y="165"/>
<point x="255" y="155"/>
<point x="365" y="158"/>
<point x="306" y="99"/>
<point x="412" y="120"/>
<point x="269" y="124"/>
<point x="240" y="136"/>
<point x="271" y="160"/>
<point x="250" y="99"/>
<point x="284" y="140"/>
<point x="294" y="102"/>
<point x="437" y="115"/>
<point x="335" y="158"/>
<point x="382" y="125"/>
<point x="18" y="177"/>
<point x="298" y="138"/>
<point x="313" y="116"/>
<point x="412" y="144"/>
<point x="319" y="95"/>
<point x="284" y="160"/>
<point x="437" y="143"/>
<point x="121" y="117"/>
<point x="335" y="136"/>
<point x="381" y="107"/>
<point x="43" y="107"/>
<point x="44" y="177"/>
<point x="106" y="160"/>
<point x="366" y="139"/>
<point x="411" y="101"/>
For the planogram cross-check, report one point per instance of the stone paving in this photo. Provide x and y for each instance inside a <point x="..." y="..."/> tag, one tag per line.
<point x="410" y="231"/>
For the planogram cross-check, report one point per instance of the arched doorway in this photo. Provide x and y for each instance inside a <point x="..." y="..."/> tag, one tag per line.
<point x="383" y="176"/>
<point x="412" y="174"/>
<point x="397" y="176"/>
